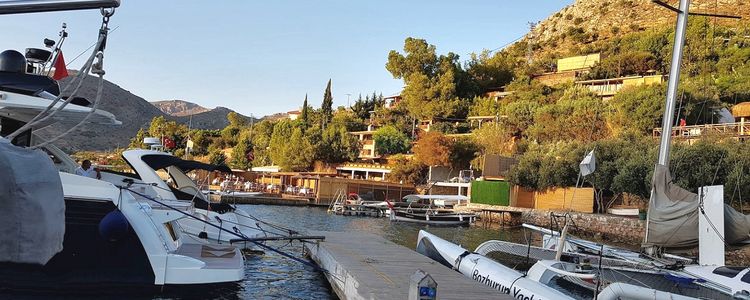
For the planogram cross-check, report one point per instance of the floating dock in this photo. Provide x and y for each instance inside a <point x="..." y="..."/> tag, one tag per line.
<point x="265" y="199"/>
<point x="367" y="266"/>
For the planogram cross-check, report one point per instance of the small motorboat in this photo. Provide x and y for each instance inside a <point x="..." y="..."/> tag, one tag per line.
<point x="432" y="217"/>
<point x="422" y="210"/>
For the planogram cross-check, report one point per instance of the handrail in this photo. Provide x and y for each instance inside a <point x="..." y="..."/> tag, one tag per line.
<point x="693" y="131"/>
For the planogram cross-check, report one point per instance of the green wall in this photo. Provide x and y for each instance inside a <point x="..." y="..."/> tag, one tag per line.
<point x="490" y="192"/>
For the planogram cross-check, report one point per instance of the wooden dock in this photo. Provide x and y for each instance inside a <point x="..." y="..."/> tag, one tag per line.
<point x="367" y="266"/>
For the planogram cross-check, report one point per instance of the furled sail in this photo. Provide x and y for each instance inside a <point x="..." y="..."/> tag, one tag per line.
<point x="673" y="215"/>
<point x="33" y="207"/>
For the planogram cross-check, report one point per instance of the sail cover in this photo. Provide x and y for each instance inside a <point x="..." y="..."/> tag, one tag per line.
<point x="32" y="214"/>
<point x="673" y="215"/>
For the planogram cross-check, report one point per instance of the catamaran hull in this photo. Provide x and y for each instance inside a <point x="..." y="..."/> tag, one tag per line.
<point x="484" y="270"/>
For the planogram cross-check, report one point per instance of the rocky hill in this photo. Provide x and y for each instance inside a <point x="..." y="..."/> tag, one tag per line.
<point x="179" y="108"/>
<point x="132" y="110"/>
<point x="587" y="21"/>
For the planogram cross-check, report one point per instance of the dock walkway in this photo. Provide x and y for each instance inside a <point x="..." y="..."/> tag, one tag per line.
<point x="367" y="266"/>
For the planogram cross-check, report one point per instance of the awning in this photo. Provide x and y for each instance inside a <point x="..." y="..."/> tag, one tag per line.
<point x="156" y="162"/>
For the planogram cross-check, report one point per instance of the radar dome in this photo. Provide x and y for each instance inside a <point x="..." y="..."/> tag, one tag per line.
<point x="12" y="61"/>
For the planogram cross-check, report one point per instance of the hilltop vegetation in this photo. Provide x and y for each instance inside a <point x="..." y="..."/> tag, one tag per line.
<point x="548" y="128"/>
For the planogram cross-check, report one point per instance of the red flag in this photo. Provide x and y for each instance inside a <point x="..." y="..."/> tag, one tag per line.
<point x="168" y="143"/>
<point x="60" y="70"/>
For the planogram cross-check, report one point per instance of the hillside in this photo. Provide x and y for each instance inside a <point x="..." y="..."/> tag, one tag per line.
<point x="132" y="110"/>
<point x="211" y="119"/>
<point x="179" y="108"/>
<point x="588" y="21"/>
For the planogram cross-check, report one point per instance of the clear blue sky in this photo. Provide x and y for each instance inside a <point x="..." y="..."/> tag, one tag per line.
<point x="261" y="57"/>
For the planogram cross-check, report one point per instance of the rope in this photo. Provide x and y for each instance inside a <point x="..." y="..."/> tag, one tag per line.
<point x="316" y="267"/>
<point x="703" y="212"/>
<point x="40" y="117"/>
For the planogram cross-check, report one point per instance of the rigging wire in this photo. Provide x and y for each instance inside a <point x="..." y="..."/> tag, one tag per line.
<point x="89" y="48"/>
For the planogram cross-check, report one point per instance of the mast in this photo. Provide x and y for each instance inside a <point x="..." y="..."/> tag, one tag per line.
<point x="674" y="79"/>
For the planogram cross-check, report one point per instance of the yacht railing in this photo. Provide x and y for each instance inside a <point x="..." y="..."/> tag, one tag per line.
<point x="34" y="6"/>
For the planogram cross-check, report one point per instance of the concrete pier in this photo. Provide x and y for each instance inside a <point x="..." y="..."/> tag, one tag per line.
<point x="367" y="266"/>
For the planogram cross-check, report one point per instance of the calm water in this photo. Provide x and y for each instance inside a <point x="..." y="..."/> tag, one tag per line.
<point x="272" y="276"/>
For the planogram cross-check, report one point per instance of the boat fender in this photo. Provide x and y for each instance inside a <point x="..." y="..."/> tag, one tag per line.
<point x="114" y="226"/>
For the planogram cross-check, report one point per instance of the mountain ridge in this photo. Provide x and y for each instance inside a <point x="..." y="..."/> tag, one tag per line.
<point x="179" y="108"/>
<point x="132" y="110"/>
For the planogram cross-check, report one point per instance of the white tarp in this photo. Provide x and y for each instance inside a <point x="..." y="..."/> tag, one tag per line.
<point x="673" y="215"/>
<point x="32" y="206"/>
<point x="588" y="164"/>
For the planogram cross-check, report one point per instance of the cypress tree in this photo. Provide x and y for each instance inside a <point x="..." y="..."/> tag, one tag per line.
<point x="327" y="106"/>
<point x="305" y="113"/>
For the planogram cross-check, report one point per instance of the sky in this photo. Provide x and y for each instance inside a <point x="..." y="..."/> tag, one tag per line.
<point x="262" y="57"/>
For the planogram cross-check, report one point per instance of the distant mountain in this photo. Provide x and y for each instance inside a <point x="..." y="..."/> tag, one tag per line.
<point x="133" y="111"/>
<point x="179" y="108"/>
<point x="211" y="119"/>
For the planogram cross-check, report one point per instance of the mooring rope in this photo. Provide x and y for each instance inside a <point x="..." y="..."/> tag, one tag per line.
<point x="314" y="266"/>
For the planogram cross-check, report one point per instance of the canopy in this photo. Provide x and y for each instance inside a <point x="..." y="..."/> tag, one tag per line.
<point x="436" y="197"/>
<point x="160" y="161"/>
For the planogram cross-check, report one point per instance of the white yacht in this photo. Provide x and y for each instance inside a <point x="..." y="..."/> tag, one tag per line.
<point x="147" y="165"/>
<point x="64" y="232"/>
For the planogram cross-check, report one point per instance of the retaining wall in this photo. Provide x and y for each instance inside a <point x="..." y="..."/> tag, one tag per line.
<point x="607" y="227"/>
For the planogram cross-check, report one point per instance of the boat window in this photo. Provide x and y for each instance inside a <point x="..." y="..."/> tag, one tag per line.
<point x="746" y="278"/>
<point x="730" y="272"/>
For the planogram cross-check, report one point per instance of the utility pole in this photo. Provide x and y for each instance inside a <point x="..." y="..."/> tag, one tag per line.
<point x="530" y="43"/>
<point x="347" y="100"/>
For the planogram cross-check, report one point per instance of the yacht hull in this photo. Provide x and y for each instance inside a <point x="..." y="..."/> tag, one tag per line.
<point x="87" y="260"/>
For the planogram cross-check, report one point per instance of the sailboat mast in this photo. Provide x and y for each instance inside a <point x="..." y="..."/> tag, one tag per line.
<point x="674" y="79"/>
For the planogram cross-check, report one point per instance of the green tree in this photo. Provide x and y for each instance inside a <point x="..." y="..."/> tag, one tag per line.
<point x="433" y="83"/>
<point x="491" y="70"/>
<point x="299" y="153"/>
<point x="638" y="109"/>
<point x="484" y="106"/>
<point x="137" y="141"/>
<point x="337" y="145"/>
<point x="280" y="141"/>
<point x="261" y="141"/>
<point x="327" y="106"/>
<point x="493" y="139"/>
<point x="239" y="154"/>
<point x="389" y="140"/>
<point x="218" y="158"/>
<point x="305" y="115"/>
<point x="406" y="171"/>
<point x="201" y="140"/>
<point x="236" y="120"/>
